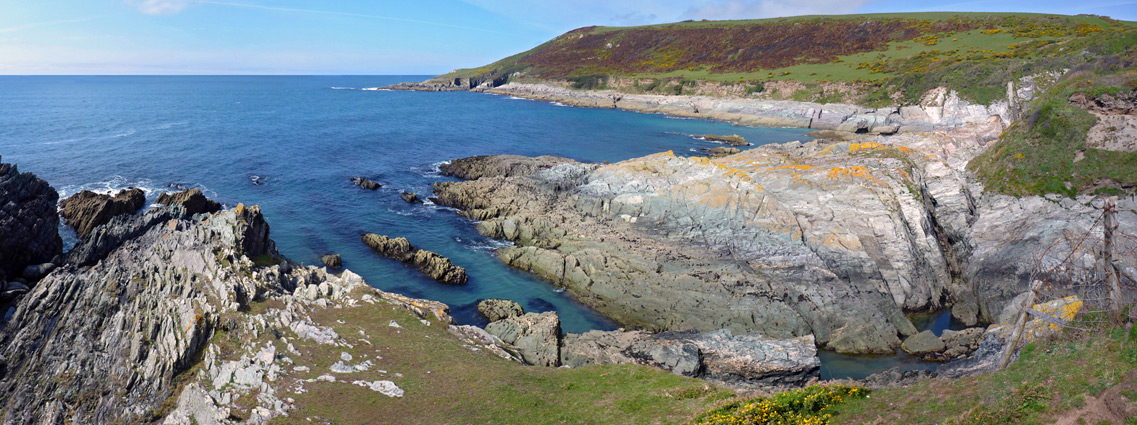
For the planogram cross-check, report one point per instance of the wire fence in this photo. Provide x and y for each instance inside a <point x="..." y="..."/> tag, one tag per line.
<point x="1086" y="281"/>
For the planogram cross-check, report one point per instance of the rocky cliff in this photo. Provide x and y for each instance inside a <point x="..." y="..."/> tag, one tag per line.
<point x="834" y="239"/>
<point x="28" y="222"/>
<point x="163" y="316"/>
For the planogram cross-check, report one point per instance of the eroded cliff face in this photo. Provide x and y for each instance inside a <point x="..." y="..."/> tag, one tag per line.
<point x="168" y="316"/>
<point x="834" y="239"/>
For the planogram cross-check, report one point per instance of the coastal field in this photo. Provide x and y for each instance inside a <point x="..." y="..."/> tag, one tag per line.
<point x="881" y="57"/>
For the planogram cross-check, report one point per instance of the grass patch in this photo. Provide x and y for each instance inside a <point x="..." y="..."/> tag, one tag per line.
<point x="446" y="382"/>
<point x="1046" y="151"/>
<point x="1050" y="378"/>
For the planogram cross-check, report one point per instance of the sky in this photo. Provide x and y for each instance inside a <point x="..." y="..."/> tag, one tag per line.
<point x="371" y="37"/>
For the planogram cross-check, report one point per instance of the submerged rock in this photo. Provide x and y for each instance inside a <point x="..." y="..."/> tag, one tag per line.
<point x="86" y="210"/>
<point x="192" y="200"/>
<point x="431" y="264"/>
<point x="332" y="261"/>
<point x="29" y="221"/>
<point x="496" y="309"/>
<point x="366" y="183"/>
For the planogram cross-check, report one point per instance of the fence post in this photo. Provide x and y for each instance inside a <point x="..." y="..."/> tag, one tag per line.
<point x="1017" y="334"/>
<point x="1111" y="276"/>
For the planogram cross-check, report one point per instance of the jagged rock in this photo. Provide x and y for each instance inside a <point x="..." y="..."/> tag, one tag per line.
<point x="366" y="183"/>
<point x="611" y="241"/>
<point x="496" y="309"/>
<point x="410" y="198"/>
<point x="733" y="140"/>
<point x="141" y="315"/>
<point x="86" y="210"/>
<point x="332" y="261"/>
<point x="192" y="200"/>
<point x="922" y="343"/>
<point x="475" y="167"/>
<point x="36" y="272"/>
<point x="961" y="343"/>
<point x="439" y="268"/>
<point x="535" y="336"/>
<point x="398" y="249"/>
<point x="28" y="221"/>
<point x="431" y="264"/>
<point x="739" y="361"/>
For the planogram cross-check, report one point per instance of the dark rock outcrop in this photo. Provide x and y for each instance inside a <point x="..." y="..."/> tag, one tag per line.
<point x="332" y="261"/>
<point x="86" y="210"/>
<point x="366" y="183"/>
<point x="192" y="200"/>
<point x="410" y="198"/>
<point x="36" y="272"/>
<point x="431" y="264"/>
<point x="496" y="309"/>
<point x="29" y="222"/>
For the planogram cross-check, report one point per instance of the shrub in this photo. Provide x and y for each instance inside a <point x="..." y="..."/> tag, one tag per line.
<point x="806" y="406"/>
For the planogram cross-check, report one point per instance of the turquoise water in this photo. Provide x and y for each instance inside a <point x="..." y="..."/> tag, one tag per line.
<point x="303" y="137"/>
<point x="838" y="366"/>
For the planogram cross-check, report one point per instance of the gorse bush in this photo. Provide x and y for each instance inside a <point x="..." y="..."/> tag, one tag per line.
<point x="806" y="406"/>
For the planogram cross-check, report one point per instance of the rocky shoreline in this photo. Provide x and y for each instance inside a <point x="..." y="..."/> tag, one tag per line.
<point x="938" y="109"/>
<point x="832" y="239"/>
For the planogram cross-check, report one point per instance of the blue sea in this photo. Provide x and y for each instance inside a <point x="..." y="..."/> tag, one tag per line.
<point x="302" y="137"/>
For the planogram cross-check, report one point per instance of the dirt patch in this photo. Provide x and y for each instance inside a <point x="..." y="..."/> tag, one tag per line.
<point x="1112" y="406"/>
<point x="1116" y="129"/>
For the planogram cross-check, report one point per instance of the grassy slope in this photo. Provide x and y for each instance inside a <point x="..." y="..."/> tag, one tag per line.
<point x="1051" y="379"/>
<point x="1038" y="153"/>
<point x="895" y="57"/>
<point x="448" y="383"/>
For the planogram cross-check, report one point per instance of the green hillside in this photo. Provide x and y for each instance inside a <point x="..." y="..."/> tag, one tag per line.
<point x="889" y="58"/>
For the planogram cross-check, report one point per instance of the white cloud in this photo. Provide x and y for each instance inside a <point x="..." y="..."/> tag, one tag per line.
<point x="741" y="9"/>
<point x="160" y="7"/>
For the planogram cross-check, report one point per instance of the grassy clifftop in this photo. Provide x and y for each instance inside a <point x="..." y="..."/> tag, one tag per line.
<point x="888" y="58"/>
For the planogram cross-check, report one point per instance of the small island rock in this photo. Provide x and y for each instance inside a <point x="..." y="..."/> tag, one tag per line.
<point x="332" y="261"/>
<point x="497" y="309"/>
<point x="429" y="263"/>
<point x="366" y="183"/>
<point x="411" y="198"/>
